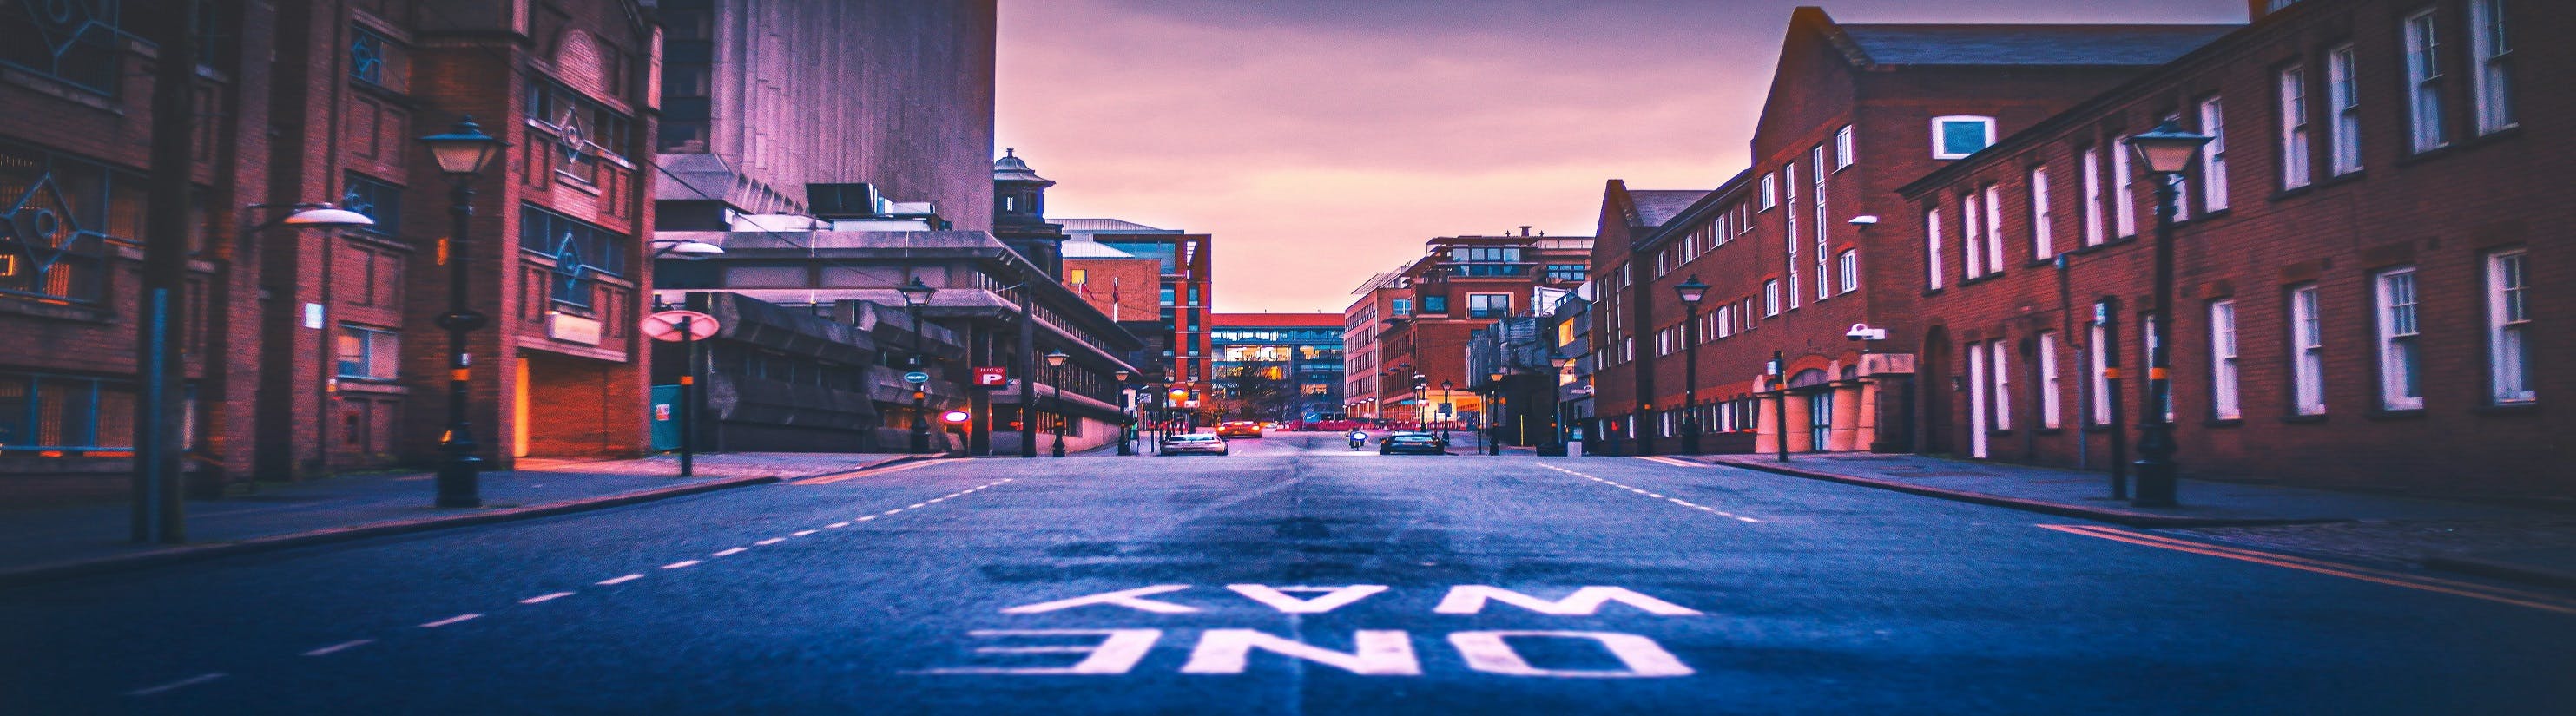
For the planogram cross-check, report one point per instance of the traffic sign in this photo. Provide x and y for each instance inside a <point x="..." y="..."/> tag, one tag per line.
<point x="916" y="377"/>
<point x="665" y="325"/>
<point x="987" y="376"/>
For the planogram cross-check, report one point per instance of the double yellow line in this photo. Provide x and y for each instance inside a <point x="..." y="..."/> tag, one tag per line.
<point x="2502" y="595"/>
<point x="870" y="472"/>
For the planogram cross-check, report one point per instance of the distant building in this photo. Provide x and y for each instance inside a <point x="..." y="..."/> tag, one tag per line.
<point x="1297" y="354"/>
<point x="1184" y="292"/>
<point x="1428" y="307"/>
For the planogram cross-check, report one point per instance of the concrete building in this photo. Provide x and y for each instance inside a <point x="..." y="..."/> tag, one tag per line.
<point x="1787" y="247"/>
<point x="1297" y="354"/>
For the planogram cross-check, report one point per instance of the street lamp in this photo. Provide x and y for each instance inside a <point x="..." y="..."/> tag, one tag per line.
<point x="685" y="249"/>
<point x="1691" y="292"/>
<point x="462" y="153"/>
<point x="1126" y="420"/>
<point x="1447" y="412"/>
<point x="1556" y="400"/>
<point x="1492" y="415"/>
<point x="915" y="295"/>
<point x="2166" y="151"/>
<point x="1055" y="379"/>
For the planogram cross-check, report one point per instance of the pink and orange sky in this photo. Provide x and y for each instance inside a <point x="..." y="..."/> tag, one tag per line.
<point x="1321" y="141"/>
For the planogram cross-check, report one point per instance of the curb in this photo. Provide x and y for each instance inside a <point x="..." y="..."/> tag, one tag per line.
<point x="2503" y="570"/>
<point x="190" y="553"/>
<point x="2118" y="517"/>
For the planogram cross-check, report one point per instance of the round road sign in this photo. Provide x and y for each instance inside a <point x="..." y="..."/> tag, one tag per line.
<point x="665" y="325"/>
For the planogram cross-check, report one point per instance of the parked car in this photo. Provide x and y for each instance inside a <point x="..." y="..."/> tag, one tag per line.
<point x="1416" y="443"/>
<point x="1238" y="429"/>
<point x="1193" y="444"/>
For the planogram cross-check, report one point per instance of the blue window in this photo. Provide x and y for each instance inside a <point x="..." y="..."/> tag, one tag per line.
<point x="378" y="200"/>
<point x="581" y="251"/>
<point x="1956" y="137"/>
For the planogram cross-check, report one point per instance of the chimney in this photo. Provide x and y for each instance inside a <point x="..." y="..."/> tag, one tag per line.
<point x="1525" y="229"/>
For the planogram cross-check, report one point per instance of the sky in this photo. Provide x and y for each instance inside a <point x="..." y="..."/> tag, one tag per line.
<point x="1322" y="141"/>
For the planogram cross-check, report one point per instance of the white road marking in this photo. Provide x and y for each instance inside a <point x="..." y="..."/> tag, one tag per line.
<point x="543" y="598"/>
<point x="770" y="541"/>
<point x="680" y="564"/>
<point x="1129" y="598"/>
<point x="1470" y="599"/>
<point x="732" y="552"/>
<point x="1639" y="657"/>
<point x="865" y="518"/>
<point x="1374" y="652"/>
<point x="340" y="647"/>
<point x="451" y="620"/>
<point x="914" y="506"/>
<point x="623" y="580"/>
<point x="836" y="525"/>
<point x="1747" y="519"/>
<point x="1333" y="598"/>
<point x="1117" y="652"/>
<point x="892" y="511"/>
<point x="801" y="534"/>
<point x="937" y="500"/>
<point x="180" y="684"/>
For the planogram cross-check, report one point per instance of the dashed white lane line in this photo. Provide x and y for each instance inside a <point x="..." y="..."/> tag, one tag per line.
<point x="732" y="552"/>
<point x="864" y="518"/>
<point x="180" y="684"/>
<point x="622" y="580"/>
<point x="451" y="620"/>
<point x="340" y="647"/>
<point x="892" y="511"/>
<point x="1674" y="500"/>
<point x="682" y="564"/>
<point x="915" y="506"/>
<point x="770" y="541"/>
<point x="543" y="598"/>
<point x="836" y="525"/>
<point x="803" y="533"/>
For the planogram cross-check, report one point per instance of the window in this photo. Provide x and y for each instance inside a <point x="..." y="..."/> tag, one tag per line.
<point x="375" y="60"/>
<point x="2224" y="403"/>
<point x="2307" y="353"/>
<point x="368" y="353"/>
<point x="2097" y="346"/>
<point x="46" y="413"/>
<point x="2343" y="94"/>
<point x="1956" y="137"/>
<point x="1769" y="192"/>
<point x="2043" y="229"/>
<point x="1932" y="250"/>
<point x="1725" y="320"/>
<point x="1435" y="304"/>
<point x="2399" y="366"/>
<point x="58" y="218"/>
<point x="2213" y="156"/>
<point x="1843" y="158"/>
<point x="2051" y="414"/>
<point x="2294" y="127"/>
<point x="2002" y="363"/>
<point x="1077" y="277"/>
<point x="1771" y="298"/>
<point x="2124" y="197"/>
<point x="1789" y="195"/>
<point x="1400" y="306"/>
<point x="1565" y="272"/>
<point x="2093" y="196"/>
<point x="1167" y="297"/>
<point x="2492" y="84"/>
<point x="1489" y="305"/>
<point x="2424" y="82"/>
<point x="1970" y="240"/>
<point x="1848" y="264"/>
<point x="1994" y="229"/>
<point x="584" y="132"/>
<point x="1824" y="283"/>
<point x="76" y="41"/>
<point x="378" y="200"/>
<point x="2508" y="328"/>
<point x="580" y="251"/>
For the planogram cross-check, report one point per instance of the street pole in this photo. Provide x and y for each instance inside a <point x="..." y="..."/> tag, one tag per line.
<point x="1780" y="404"/>
<point x="920" y="396"/>
<point x="2156" y="445"/>
<point x="2110" y="317"/>
<point x="159" y="505"/>
<point x="1690" y="378"/>
<point x="459" y="478"/>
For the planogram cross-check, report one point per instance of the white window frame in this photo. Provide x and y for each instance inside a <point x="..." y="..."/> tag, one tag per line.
<point x="2000" y="369"/>
<point x="2213" y="156"/>
<point x="1789" y="197"/>
<point x="1994" y="229"/>
<point x="1770" y="298"/>
<point x="2043" y="225"/>
<point x="1972" y="245"/>
<point x="2295" y="161"/>
<point x="1938" y="148"/>
<point x="2343" y="95"/>
<point x="2400" y="323"/>
<point x="1770" y="189"/>
<point x="2491" y="53"/>
<point x="1980" y="415"/>
<point x="1725" y="320"/>
<point x="2124" y="194"/>
<point x="2051" y="413"/>
<point x="1847" y="265"/>
<point x="2425" y="125"/>
<point x="2098" y="357"/>
<point x="2509" y="327"/>
<point x="2225" y="402"/>
<point x="1824" y="259"/>
<point x="2093" y="229"/>
<point x="1932" y="250"/>
<point x="1843" y="158"/>
<point x="2307" y="352"/>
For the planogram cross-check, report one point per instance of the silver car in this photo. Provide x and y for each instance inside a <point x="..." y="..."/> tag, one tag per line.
<point x="1193" y="443"/>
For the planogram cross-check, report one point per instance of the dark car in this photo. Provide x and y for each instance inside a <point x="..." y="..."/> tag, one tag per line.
<point x="1193" y="443"/>
<point x="1416" y="443"/>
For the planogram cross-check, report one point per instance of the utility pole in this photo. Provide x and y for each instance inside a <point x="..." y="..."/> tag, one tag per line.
<point x="159" y="506"/>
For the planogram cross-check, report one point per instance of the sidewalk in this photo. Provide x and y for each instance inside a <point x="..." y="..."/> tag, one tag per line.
<point x="2521" y="544"/>
<point x="53" y="542"/>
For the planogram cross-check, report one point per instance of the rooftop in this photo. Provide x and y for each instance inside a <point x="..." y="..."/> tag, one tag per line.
<point x="1276" y="320"/>
<point x="1109" y="226"/>
<point x="1656" y="206"/>
<point x="2095" y="45"/>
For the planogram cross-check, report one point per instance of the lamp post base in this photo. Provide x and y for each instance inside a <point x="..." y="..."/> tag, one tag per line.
<point x="458" y="482"/>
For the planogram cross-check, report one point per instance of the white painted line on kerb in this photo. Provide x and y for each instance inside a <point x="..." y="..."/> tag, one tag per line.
<point x="770" y="541"/>
<point x="180" y="684"/>
<point x="801" y="534"/>
<point x="732" y="552"/>
<point x="543" y="598"/>
<point x="340" y="647"/>
<point x="622" y="580"/>
<point x="451" y="620"/>
<point x="681" y="564"/>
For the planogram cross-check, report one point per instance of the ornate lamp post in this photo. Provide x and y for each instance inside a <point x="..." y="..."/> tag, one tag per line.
<point x="2165" y="151"/>
<point x="462" y="153"/>
<point x="1126" y="417"/>
<point x="1691" y="292"/>
<point x="1448" y="411"/>
<point x="1055" y="379"/>
<point x="915" y="295"/>
<point x="1492" y="415"/>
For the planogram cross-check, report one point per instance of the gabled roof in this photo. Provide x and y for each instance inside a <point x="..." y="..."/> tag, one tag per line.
<point x="2086" y="45"/>
<point x="1656" y="206"/>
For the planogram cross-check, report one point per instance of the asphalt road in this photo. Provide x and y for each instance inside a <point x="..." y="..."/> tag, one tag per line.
<point x="1295" y="576"/>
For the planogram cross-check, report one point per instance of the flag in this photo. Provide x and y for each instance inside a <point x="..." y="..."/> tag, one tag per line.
<point x="1113" y="299"/>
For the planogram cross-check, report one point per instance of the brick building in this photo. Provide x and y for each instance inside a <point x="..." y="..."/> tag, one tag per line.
<point x="1428" y="308"/>
<point x="1184" y="289"/>
<point x="1854" y="111"/>
<point x="314" y="351"/>
<point x="2362" y="259"/>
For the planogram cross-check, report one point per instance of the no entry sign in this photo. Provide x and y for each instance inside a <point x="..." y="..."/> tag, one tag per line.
<point x="665" y="325"/>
